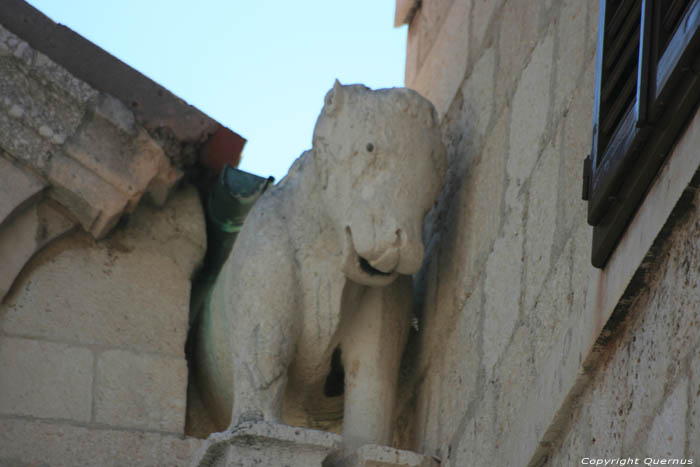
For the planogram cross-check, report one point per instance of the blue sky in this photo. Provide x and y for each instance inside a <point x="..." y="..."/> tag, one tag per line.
<point x="259" y="67"/>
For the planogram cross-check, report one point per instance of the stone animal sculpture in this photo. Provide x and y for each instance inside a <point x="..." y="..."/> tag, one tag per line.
<point x="314" y="301"/>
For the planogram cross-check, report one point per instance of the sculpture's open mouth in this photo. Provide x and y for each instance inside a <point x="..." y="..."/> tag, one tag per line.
<point x="359" y="270"/>
<point x="366" y="267"/>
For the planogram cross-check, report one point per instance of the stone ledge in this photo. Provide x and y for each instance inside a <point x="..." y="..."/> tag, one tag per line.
<point x="154" y="106"/>
<point x="267" y="444"/>
<point x="97" y="156"/>
<point x="372" y="455"/>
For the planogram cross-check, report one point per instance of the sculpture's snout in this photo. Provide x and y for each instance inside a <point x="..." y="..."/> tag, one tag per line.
<point x="387" y="261"/>
<point x="403" y="255"/>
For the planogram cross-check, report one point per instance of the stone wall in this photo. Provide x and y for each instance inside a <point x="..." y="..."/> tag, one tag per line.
<point x="94" y="283"/>
<point x="510" y="320"/>
<point x="643" y="400"/>
<point x="92" y="364"/>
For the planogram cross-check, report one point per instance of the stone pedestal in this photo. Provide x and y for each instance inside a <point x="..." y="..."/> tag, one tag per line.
<point x="372" y="455"/>
<point x="263" y="444"/>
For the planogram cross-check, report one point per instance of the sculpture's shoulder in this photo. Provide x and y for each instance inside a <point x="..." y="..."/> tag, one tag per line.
<point x="265" y="224"/>
<point x="283" y="220"/>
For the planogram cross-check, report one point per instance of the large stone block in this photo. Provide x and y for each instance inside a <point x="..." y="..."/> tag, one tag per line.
<point x="141" y="391"/>
<point x="551" y="320"/>
<point x="667" y="437"/>
<point x="483" y="12"/>
<point x="44" y="379"/>
<point x="592" y="25"/>
<point x="177" y="230"/>
<point x="267" y="444"/>
<point x="517" y="36"/>
<point x="575" y="130"/>
<point x="24" y="235"/>
<point x="477" y="97"/>
<point x="571" y="52"/>
<point x="443" y="69"/>
<point x="474" y="219"/>
<point x="514" y="370"/>
<point x="460" y="368"/>
<point x="29" y="442"/>
<point x="96" y="204"/>
<point x="104" y="294"/>
<point x="411" y="69"/>
<point x="17" y="188"/>
<point x="530" y="110"/>
<point x="427" y="23"/>
<point x="478" y="442"/>
<point x="581" y="267"/>
<point x="111" y="145"/>
<point x="502" y="288"/>
<point x="541" y="224"/>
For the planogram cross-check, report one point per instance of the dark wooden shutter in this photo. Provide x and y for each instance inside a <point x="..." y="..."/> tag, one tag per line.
<point x="646" y="90"/>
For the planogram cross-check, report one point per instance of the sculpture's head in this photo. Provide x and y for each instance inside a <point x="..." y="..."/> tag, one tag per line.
<point x="382" y="164"/>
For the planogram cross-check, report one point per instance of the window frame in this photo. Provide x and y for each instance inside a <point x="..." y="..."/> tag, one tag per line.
<point x="617" y="177"/>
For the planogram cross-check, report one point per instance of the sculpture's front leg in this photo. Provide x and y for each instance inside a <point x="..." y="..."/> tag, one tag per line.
<point x="372" y="345"/>
<point x="262" y="302"/>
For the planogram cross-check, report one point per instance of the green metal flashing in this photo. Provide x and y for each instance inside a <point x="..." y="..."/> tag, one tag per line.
<point x="227" y="206"/>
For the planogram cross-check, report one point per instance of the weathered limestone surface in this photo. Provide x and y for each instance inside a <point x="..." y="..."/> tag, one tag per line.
<point x="44" y="379"/>
<point x="372" y="455"/>
<point x="321" y="269"/>
<point x="92" y="337"/>
<point x="141" y="391"/>
<point x="86" y="144"/>
<point x="268" y="444"/>
<point x="34" y="442"/>
<point x="643" y="400"/>
<point x="94" y="284"/>
<point x="441" y="71"/>
<point x="136" y="272"/>
<point x="506" y="278"/>
<point x="24" y="235"/>
<point x="18" y="188"/>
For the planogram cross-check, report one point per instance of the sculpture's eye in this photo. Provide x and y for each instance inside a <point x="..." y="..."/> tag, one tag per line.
<point x="370" y="147"/>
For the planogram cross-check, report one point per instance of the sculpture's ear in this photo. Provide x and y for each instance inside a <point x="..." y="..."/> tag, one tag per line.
<point x="334" y="99"/>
